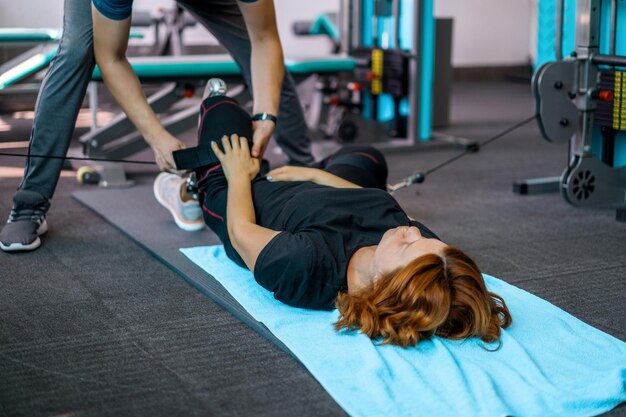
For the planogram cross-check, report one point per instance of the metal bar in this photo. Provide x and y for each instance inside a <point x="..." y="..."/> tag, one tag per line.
<point x="357" y="25"/>
<point x="612" y="32"/>
<point x="415" y="74"/>
<point x="121" y="125"/>
<point x="610" y="60"/>
<point x="93" y="104"/>
<point x="537" y="186"/>
<point x="587" y="33"/>
<point x="345" y="26"/>
<point x="396" y="20"/>
<point x="558" y="31"/>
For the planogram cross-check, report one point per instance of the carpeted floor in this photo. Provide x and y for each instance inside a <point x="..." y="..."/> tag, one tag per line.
<point x="91" y="324"/>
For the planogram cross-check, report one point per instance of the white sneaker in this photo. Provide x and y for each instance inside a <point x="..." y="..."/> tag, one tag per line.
<point x="188" y="214"/>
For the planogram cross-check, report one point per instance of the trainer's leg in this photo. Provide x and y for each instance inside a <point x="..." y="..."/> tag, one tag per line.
<point x="59" y="100"/>
<point x="57" y="105"/>
<point x="224" y="20"/>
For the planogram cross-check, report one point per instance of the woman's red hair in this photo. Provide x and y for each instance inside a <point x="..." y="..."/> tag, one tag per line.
<point x="433" y="295"/>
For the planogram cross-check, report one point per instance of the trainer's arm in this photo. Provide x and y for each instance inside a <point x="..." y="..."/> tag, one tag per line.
<point x="267" y="66"/>
<point x="110" y="43"/>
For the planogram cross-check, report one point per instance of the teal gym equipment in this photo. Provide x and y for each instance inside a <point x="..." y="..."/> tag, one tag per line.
<point x="394" y="42"/>
<point x="581" y="99"/>
<point x="388" y="100"/>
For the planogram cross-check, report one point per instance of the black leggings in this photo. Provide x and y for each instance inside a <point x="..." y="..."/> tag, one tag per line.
<point x="362" y="165"/>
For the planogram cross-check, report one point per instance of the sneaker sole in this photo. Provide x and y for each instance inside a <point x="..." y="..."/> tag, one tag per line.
<point x="180" y="222"/>
<point x="20" y="247"/>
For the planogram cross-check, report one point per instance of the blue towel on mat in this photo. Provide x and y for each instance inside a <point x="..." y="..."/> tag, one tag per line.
<point x="550" y="363"/>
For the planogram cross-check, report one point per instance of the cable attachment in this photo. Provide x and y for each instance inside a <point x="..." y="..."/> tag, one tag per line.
<point x="192" y="185"/>
<point x="416" y="178"/>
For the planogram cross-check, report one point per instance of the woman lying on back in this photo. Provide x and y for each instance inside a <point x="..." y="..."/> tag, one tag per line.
<point x="331" y="236"/>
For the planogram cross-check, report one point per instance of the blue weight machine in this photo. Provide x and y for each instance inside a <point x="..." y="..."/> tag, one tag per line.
<point x="388" y="100"/>
<point x="579" y="87"/>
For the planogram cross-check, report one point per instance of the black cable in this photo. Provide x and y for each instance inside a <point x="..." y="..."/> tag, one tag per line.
<point x="127" y="161"/>
<point x="480" y="145"/>
<point x="418" y="177"/>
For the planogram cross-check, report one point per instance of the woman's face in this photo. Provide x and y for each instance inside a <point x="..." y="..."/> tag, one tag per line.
<point x="400" y="246"/>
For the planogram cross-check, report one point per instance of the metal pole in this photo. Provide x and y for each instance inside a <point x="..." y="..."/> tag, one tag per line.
<point x="587" y="34"/>
<point x="345" y="26"/>
<point x="612" y="31"/>
<point x="396" y="19"/>
<point x="357" y="26"/>
<point x="415" y="74"/>
<point x="558" y="42"/>
<point x="93" y="104"/>
<point x="610" y="60"/>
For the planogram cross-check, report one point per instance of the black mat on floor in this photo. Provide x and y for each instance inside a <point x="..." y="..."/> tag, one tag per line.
<point x="136" y="213"/>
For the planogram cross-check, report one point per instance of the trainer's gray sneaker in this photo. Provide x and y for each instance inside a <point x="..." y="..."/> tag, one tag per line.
<point x="188" y="214"/>
<point x="26" y="223"/>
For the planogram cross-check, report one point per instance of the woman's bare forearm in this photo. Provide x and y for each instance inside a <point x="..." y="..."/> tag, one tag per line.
<point x="245" y="235"/>
<point x="326" y="178"/>
<point x="240" y="208"/>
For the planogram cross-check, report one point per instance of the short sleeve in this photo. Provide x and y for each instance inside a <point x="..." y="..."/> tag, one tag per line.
<point x="299" y="270"/>
<point x="114" y="9"/>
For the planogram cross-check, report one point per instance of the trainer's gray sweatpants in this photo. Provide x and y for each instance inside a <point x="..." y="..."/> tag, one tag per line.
<point x="65" y="84"/>
<point x="59" y="100"/>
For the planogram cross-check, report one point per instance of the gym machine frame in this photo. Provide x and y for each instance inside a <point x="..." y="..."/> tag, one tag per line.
<point x="353" y="27"/>
<point x="578" y="98"/>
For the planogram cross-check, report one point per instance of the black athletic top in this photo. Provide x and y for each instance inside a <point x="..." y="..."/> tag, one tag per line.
<point x="322" y="227"/>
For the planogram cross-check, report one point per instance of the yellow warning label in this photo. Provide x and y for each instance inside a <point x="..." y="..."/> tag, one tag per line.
<point x="377" y="71"/>
<point x="617" y="100"/>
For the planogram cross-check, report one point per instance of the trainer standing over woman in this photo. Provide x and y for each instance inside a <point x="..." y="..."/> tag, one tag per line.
<point x="247" y="29"/>
<point x="111" y="27"/>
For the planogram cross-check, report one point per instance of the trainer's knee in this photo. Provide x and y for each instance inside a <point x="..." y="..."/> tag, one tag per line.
<point x="76" y="53"/>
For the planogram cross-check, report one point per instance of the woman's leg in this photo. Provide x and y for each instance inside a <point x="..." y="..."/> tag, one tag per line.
<point x="224" y="20"/>
<point x="219" y="116"/>
<point x="360" y="164"/>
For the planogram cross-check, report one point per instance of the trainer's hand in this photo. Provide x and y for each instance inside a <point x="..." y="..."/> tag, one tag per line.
<point x="291" y="173"/>
<point x="236" y="160"/>
<point x="263" y="130"/>
<point x="163" y="147"/>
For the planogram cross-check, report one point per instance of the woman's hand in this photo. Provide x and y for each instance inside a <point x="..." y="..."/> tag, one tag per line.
<point x="291" y="173"/>
<point x="236" y="160"/>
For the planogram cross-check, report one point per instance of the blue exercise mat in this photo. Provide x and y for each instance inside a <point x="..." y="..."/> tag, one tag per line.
<point x="550" y="363"/>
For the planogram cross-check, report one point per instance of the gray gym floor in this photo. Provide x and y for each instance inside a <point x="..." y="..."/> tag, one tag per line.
<point x="91" y="324"/>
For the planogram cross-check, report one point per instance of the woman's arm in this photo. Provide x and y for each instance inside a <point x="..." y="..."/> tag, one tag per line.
<point x="110" y="43"/>
<point x="267" y="67"/>
<point x="247" y="237"/>
<point x="318" y="176"/>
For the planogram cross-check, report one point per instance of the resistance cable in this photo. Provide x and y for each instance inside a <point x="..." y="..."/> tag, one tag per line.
<point x="420" y="176"/>
<point x="415" y="178"/>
